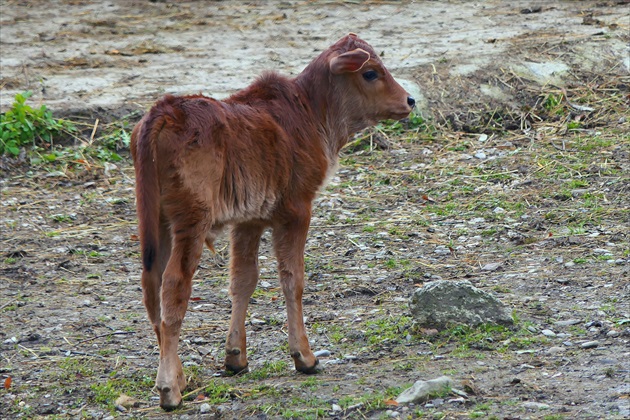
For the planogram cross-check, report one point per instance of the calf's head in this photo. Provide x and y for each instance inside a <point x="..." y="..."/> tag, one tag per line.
<point x="366" y="85"/>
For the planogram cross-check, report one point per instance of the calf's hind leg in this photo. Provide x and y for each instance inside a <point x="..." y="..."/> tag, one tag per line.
<point x="152" y="280"/>
<point x="244" y="277"/>
<point x="176" y="289"/>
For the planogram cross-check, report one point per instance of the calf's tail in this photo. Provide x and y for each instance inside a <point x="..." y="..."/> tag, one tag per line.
<point x="143" y="148"/>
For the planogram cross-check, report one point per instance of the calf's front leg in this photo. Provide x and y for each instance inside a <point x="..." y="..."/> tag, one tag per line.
<point x="289" y="240"/>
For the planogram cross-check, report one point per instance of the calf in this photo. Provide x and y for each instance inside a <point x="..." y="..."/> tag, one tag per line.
<point x="253" y="161"/>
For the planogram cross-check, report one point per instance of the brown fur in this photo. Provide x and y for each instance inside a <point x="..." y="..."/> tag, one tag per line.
<point x="253" y="161"/>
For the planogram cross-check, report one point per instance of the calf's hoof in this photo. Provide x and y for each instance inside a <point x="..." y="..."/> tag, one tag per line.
<point x="170" y="399"/>
<point x="302" y="365"/>
<point x="234" y="369"/>
<point x="235" y="361"/>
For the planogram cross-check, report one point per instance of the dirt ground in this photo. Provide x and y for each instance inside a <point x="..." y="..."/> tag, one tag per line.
<point x="517" y="180"/>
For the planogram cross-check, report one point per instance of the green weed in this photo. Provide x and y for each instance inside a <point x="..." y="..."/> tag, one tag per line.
<point x="23" y="125"/>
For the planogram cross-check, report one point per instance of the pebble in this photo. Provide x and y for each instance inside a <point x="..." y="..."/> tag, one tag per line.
<point x="322" y="353"/>
<point x="535" y="405"/>
<point x="480" y="155"/>
<point x="613" y="333"/>
<point x="392" y="413"/>
<point x="589" y="344"/>
<point x="567" y="323"/>
<point x="336" y="408"/>
<point x="556" y="350"/>
<point x="204" y="408"/>
<point x="548" y="333"/>
<point x="491" y="266"/>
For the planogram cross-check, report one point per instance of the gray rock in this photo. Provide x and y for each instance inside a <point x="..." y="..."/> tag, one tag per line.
<point x="567" y="323"/>
<point x="589" y="344"/>
<point x="556" y="350"/>
<point x="491" y="266"/>
<point x="322" y="353"/>
<point x="204" y="408"/>
<point x="442" y="303"/>
<point x="532" y="405"/>
<point x="548" y="333"/>
<point x="423" y="390"/>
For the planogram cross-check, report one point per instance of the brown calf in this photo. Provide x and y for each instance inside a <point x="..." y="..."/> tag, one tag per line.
<point x="253" y="161"/>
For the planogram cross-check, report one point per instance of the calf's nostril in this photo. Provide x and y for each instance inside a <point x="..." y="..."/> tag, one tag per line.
<point x="410" y="101"/>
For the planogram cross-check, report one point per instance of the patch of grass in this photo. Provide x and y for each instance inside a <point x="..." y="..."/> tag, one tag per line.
<point x="23" y="125"/>
<point x="75" y="367"/>
<point x="487" y="338"/>
<point x="392" y="329"/>
<point x="136" y="386"/>
<point x="311" y="382"/>
<point x="269" y="369"/>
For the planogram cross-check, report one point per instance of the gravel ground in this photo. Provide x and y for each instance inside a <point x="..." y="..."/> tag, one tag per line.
<point x="518" y="186"/>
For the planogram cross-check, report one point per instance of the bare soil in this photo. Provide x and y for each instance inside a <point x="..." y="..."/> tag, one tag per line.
<point x="517" y="181"/>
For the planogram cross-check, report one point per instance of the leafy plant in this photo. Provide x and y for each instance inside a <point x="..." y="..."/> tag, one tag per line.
<point x="23" y="125"/>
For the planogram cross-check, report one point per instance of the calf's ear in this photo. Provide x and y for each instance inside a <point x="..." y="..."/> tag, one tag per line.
<point x="349" y="62"/>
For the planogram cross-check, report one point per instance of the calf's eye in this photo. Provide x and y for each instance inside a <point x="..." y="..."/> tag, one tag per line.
<point x="370" y="75"/>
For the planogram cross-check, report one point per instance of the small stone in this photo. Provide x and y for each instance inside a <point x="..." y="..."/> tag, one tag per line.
<point x="336" y="408"/>
<point x="125" y="402"/>
<point x="589" y="344"/>
<point x="613" y="333"/>
<point x="256" y="321"/>
<point x="548" y="333"/>
<point x="556" y="350"/>
<point x="322" y="353"/>
<point x="421" y="390"/>
<point x="532" y="329"/>
<point x="204" y="408"/>
<point x="491" y="266"/>
<point x="480" y="155"/>
<point x="204" y="350"/>
<point x="535" y="405"/>
<point x="567" y="323"/>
